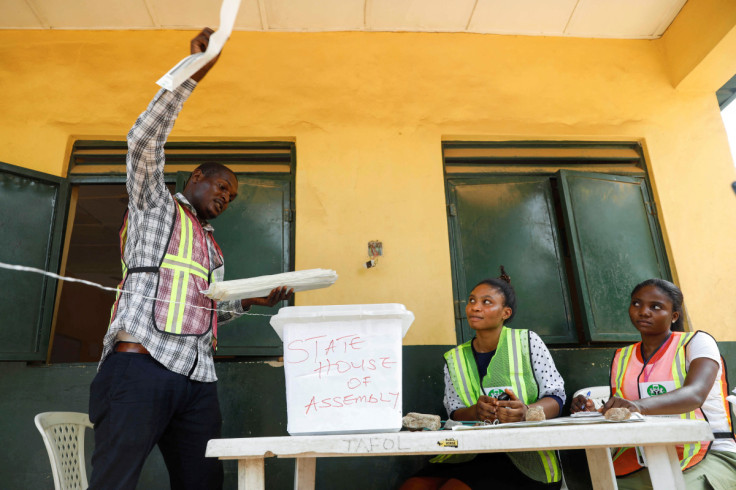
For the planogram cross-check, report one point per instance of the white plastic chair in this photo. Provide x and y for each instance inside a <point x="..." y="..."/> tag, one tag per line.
<point x="63" y="436"/>
<point x="599" y="394"/>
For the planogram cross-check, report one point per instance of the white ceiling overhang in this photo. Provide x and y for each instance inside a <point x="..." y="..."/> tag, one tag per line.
<point x="622" y="19"/>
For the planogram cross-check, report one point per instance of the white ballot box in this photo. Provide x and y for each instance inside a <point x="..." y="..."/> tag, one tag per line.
<point x="343" y="367"/>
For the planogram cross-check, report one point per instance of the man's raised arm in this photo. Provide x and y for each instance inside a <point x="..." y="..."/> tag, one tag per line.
<point x="199" y="45"/>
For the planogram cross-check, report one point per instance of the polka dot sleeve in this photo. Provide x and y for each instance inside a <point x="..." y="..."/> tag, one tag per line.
<point x="548" y="378"/>
<point x="452" y="399"/>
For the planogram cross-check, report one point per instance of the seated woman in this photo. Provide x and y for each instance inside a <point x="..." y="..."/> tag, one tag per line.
<point x="498" y="360"/>
<point x="685" y="372"/>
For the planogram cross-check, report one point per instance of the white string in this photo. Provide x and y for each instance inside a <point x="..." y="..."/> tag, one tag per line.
<point x="24" y="268"/>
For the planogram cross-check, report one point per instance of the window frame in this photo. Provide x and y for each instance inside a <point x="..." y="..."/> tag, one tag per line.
<point x="103" y="162"/>
<point x="479" y="159"/>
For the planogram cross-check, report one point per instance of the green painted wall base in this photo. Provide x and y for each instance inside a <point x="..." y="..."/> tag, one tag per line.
<point x="253" y="404"/>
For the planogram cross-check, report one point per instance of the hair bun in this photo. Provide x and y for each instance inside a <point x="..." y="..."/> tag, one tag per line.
<point x="504" y="277"/>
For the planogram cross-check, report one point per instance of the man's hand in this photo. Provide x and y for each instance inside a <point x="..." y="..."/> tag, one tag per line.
<point x="276" y="295"/>
<point x="199" y="45"/>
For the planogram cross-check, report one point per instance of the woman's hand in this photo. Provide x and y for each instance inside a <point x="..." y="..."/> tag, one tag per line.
<point x="618" y="402"/>
<point x="513" y="410"/>
<point x="486" y="408"/>
<point x="582" y="403"/>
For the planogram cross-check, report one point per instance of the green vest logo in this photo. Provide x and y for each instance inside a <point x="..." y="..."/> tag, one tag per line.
<point x="654" y="390"/>
<point x="495" y="392"/>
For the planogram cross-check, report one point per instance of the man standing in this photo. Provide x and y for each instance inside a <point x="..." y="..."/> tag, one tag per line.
<point x="156" y="381"/>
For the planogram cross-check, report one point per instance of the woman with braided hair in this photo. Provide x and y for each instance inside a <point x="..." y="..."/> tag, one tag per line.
<point x="507" y="371"/>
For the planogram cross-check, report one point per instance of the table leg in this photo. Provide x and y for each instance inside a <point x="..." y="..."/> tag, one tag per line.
<point x="664" y="468"/>
<point x="251" y="474"/>
<point x="304" y="473"/>
<point x="601" y="469"/>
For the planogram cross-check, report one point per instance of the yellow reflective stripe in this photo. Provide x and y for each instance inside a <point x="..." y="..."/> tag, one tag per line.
<point x="470" y="369"/>
<point x="507" y="340"/>
<point x="678" y="369"/>
<point x="170" y="327"/>
<point x="623" y="362"/>
<point x="183" y="219"/>
<point x="622" y="365"/>
<point x="467" y="376"/>
<point x="440" y="458"/>
<point x="123" y="242"/>
<point x="621" y="451"/>
<point x="551" y="468"/>
<point x="189" y="239"/>
<point x="557" y="467"/>
<point x="518" y="363"/>
<point x="455" y="356"/>
<point x="187" y="266"/>
<point x="678" y="366"/>
<point x="179" y="306"/>
<point x="688" y="452"/>
<point x="464" y="373"/>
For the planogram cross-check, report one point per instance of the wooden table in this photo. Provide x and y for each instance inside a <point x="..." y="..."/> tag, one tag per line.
<point x="657" y="436"/>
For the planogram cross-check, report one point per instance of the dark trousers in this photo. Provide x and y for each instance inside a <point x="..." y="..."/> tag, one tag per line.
<point x="486" y="470"/>
<point x="136" y="403"/>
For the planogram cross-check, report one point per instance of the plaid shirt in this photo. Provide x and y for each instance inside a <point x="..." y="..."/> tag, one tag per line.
<point x="151" y="214"/>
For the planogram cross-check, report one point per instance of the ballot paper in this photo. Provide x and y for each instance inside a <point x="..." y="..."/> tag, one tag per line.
<point x="256" y="287"/>
<point x="635" y="417"/>
<point x="193" y="63"/>
<point x="586" y="414"/>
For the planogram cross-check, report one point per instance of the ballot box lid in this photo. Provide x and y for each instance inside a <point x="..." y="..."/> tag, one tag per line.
<point x="337" y="313"/>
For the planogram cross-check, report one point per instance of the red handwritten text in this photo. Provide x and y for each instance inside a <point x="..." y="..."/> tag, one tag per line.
<point x="345" y="401"/>
<point x="342" y="367"/>
<point x="322" y="345"/>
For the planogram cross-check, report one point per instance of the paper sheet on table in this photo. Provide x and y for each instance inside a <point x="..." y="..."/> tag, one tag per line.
<point x="192" y="63"/>
<point x="256" y="287"/>
<point x="586" y="414"/>
<point x="635" y="417"/>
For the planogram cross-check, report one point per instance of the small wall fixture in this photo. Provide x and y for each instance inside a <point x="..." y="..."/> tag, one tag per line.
<point x="375" y="250"/>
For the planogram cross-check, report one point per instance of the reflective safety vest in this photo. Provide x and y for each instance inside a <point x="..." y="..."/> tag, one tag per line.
<point x="633" y="380"/>
<point x="510" y="366"/>
<point x="183" y="271"/>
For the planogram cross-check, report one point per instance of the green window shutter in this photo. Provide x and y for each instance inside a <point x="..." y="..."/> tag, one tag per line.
<point x="510" y="221"/>
<point x="255" y="235"/>
<point x="34" y="209"/>
<point x="615" y="245"/>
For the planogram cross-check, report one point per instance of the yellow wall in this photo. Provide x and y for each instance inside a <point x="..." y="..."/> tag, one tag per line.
<point x="368" y="112"/>
<point x="694" y="36"/>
